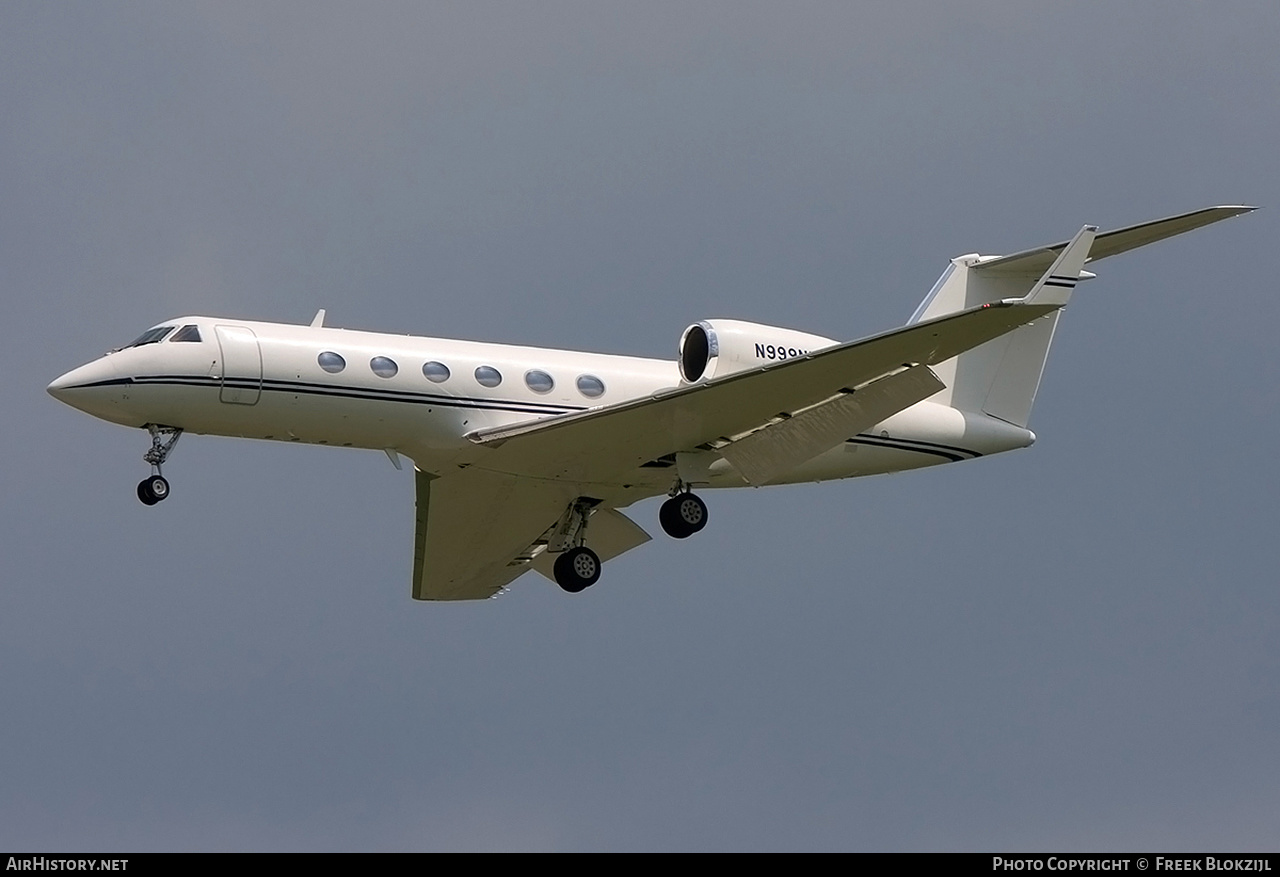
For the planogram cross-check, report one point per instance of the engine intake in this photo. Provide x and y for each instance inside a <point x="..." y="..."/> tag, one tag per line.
<point x="714" y="348"/>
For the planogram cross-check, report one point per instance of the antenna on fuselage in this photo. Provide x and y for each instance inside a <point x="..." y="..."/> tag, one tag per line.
<point x="318" y="320"/>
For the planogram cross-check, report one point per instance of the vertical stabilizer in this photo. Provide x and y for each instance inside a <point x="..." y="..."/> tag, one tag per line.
<point x="1001" y="378"/>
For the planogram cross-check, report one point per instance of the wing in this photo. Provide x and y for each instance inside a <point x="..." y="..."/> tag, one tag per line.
<point x="472" y="528"/>
<point x="603" y="444"/>
<point x="481" y="524"/>
<point x="477" y="531"/>
<point x="1112" y="243"/>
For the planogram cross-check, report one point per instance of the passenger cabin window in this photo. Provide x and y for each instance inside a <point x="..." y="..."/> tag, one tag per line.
<point x="590" y="386"/>
<point x="187" y="333"/>
<point x="151" y="336"/>
<point x="384" y="366"/>
<point x="331" y="362"/>
<point x="488" y="376"/>
<point x="435" y="372"/>
<point x="539" y="381"/>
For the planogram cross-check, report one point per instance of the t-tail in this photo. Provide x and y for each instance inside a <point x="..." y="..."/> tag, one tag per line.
<point x="1000" y="378"/>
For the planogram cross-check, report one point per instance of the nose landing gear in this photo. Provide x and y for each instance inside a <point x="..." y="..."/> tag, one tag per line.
<point x="163" y="438"/>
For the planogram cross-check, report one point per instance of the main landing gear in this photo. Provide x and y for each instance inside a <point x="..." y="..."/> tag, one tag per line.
<point x="683" y="514"/>
<point x="155" y="488"/>
<point x="578" y="567"/>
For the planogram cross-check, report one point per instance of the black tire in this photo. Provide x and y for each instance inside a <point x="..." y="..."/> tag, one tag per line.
<point x="158" y="487"/>
<point x="145" y="494"/>
<point x="683" y="515"/>
<point x="577" y="569"/>
<point x="669" y="518"/>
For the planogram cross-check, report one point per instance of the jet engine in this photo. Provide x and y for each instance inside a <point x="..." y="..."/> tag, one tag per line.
<point x="714" y="348"/>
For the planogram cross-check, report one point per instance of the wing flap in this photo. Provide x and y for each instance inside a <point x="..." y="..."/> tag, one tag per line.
<point x="767" y="453"/>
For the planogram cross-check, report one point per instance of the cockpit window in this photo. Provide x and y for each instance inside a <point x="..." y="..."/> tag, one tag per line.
<point x="151" y="336"/>
<point x="186" y="333"/>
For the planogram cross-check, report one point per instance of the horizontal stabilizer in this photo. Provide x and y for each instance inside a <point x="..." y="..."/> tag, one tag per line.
<point x="767" y="453"/>
<point x="1112" y="243"/>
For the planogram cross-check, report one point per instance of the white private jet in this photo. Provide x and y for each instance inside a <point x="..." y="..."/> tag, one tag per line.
<point x="523" y="455"/>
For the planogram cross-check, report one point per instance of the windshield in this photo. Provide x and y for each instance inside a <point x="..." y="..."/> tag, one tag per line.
<point x="186" y="333"/>
<point x="151" y="336"/>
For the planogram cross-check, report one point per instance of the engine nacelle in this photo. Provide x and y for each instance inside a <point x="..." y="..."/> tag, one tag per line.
<point x="714" y="348"/>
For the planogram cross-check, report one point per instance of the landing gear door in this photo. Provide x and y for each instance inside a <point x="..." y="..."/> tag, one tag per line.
<point x="241" y="365"/>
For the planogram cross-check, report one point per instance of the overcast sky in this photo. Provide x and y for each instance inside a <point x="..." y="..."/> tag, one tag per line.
<point x="1072" y="647"/>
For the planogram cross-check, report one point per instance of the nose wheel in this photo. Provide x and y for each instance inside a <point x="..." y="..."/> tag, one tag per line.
<point x="155" y="488"/>
<point x="152" y="490"/>
<point x="683" y="515"/>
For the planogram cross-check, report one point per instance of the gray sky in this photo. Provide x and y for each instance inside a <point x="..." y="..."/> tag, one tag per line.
<point x="1071" y="647"/>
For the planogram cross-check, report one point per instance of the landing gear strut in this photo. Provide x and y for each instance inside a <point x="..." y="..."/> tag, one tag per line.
<point x="683" y="514"/>
<point x="155" y="488"/>
<point x="578" y="567"/>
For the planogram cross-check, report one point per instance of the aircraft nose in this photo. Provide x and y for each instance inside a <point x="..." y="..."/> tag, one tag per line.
<point x="85" y="386"/>
<point x="59" y="387"/>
